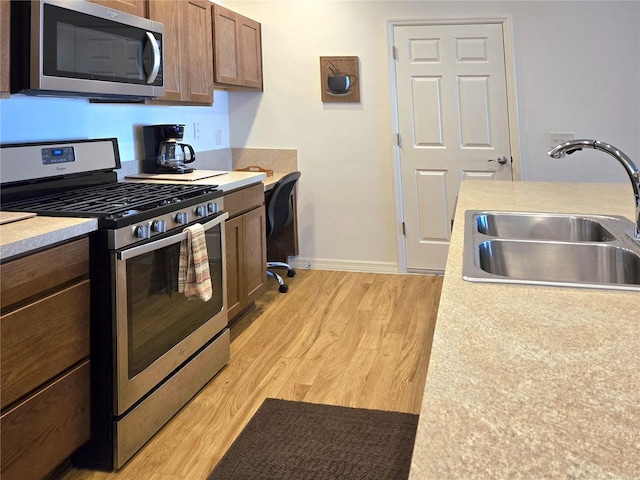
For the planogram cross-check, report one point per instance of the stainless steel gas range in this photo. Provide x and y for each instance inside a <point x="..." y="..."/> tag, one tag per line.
<point x="152" y="348"/>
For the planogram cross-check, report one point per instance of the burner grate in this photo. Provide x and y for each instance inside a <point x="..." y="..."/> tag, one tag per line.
<point x="110" y="200"/>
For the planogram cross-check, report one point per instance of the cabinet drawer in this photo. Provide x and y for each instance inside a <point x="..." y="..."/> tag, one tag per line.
<point x="43" y="431"/>
<point x="42" y="339"/>
<point x="243" y="200"/>
<point x="40" y="272"/>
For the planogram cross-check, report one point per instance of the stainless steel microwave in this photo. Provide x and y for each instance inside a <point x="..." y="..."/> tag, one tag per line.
<point x="76" y="48"/>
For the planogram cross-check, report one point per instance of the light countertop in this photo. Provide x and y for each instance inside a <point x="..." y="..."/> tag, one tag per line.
<point x="226" y="182"/>
<point x="269" y="182"/>
<point x="37" y="232"/>
<point x="532" y="381"/>
<point x="229" y="181"/>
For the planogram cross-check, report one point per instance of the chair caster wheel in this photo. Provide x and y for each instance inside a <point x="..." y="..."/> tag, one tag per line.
<point x="291" y="273"/>
<point x="283" y="288"/>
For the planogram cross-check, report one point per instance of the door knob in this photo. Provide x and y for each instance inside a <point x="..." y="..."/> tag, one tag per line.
<point x="502" y="159"/>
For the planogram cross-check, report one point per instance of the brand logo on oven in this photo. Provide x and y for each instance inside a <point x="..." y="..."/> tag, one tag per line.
<point x="61" y="169"/>
<point x="113" y="14"/>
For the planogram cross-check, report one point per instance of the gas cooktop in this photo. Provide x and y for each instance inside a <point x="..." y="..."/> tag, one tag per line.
<point x="116" y="204"/>
<point x="77" y="178"/>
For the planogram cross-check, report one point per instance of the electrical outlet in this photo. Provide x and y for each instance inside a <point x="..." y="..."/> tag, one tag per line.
<point x="196" y="130"/>
<point x="218" y="134"/>
<point x="556" y="138"/>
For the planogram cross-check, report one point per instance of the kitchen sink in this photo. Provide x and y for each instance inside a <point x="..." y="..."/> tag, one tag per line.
<point x="589" y="251"/>
<point x="555" y="262"/>
<point x="544" y="226"/>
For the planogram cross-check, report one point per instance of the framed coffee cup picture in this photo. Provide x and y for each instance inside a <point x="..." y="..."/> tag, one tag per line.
<point x="339" y="79"/>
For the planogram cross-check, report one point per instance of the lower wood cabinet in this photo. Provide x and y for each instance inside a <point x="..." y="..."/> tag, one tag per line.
<point x="44" y="353"/>
<point x="246" y="248"/>
<point x="41" y="432"/>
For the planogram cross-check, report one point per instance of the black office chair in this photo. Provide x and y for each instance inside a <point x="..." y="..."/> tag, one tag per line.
<point x="279" y="209"/>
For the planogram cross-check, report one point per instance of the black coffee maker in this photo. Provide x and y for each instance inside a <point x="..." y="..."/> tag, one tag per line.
<point x="163" y="150"/>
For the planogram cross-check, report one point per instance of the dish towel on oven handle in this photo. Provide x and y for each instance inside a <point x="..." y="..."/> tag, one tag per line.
<point x="193" y="270"/>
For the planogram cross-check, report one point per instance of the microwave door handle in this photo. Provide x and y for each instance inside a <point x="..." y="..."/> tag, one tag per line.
<point x="165" y="242"/>
<point x="156" y="58"/>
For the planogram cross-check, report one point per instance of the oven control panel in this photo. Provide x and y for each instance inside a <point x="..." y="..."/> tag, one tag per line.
<point x="58" y="155"/>
<point x="169" y="222"/>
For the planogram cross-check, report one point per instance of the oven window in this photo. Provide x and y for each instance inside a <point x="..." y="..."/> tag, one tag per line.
<point x="158" y="316"/>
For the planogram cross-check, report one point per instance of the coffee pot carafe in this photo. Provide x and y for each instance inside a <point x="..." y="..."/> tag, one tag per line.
<point x="174" y="155"/>
<point x="164" y="150"/>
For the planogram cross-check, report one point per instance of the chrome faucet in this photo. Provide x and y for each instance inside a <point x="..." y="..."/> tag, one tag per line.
<point x="571" y="146"/>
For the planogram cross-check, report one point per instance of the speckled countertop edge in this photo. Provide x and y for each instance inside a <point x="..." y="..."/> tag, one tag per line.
<point x="23" y="236"/>
<point x="532" y="382"/>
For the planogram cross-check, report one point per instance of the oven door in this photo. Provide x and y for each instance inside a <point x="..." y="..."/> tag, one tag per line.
<point x="158" y="329"/>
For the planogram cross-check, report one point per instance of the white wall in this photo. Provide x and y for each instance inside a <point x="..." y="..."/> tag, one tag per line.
<point x="577" y="70"/>
<point x="31" y="119"/>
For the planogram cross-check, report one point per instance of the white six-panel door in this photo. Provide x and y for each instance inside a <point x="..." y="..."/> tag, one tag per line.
<point x="453" y="124"/>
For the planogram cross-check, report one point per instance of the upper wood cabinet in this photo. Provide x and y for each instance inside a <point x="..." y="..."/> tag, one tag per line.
<point x="188" y="61"/>
<point x="134" y="7"/>
<point x="5" y="8"/>
<point x="237" y="50"/>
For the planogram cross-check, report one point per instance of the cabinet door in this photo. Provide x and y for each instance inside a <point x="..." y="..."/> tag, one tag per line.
<point x="235" y="279"/>
<point x="188" y="62"/>
<point x="38" y="434"/>
<point x="237" y="49"/>
<point x="30" y="277"/>
<point x="4" y="48"/>
<point x="255" y="253"/>
<point x="226" y="44"/>
<point x="31" y="354"/>
<point x="171" y="15"/>
<point x="250" y="53"/>
<point x="197" y="70"/>
<point x="134" y="7"/>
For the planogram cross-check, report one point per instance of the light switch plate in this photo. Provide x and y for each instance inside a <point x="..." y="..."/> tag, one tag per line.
<point x="556" y="138"/>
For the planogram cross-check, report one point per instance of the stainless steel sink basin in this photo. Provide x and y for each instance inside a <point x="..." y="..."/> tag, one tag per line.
<point x="544" y="226"/>
<point x="589" y="251"/>
<point x="550" y="263"/>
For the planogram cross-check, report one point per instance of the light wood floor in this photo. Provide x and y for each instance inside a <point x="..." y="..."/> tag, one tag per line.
<point x="351" y="339"/>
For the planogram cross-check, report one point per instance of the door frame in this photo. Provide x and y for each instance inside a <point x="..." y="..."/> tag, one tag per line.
<point x="512" y="112"/>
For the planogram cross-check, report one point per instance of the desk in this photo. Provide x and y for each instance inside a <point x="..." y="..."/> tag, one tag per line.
<point x="285" y="243"/>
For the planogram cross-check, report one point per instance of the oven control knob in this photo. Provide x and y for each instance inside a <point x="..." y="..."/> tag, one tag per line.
<point x="142" y="231"/>
<point x="182" y="217"/>
<point x="159" y="226"/>
<point x="212" y="207"/>
<point x="201" y="211"/>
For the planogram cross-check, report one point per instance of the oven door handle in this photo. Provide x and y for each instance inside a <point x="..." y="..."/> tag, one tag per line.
<point x="148" y="247"/>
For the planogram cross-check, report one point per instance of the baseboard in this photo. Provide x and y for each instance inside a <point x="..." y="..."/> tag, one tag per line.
<point x="423" y="271"/>
<point x="300" y="263"/>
